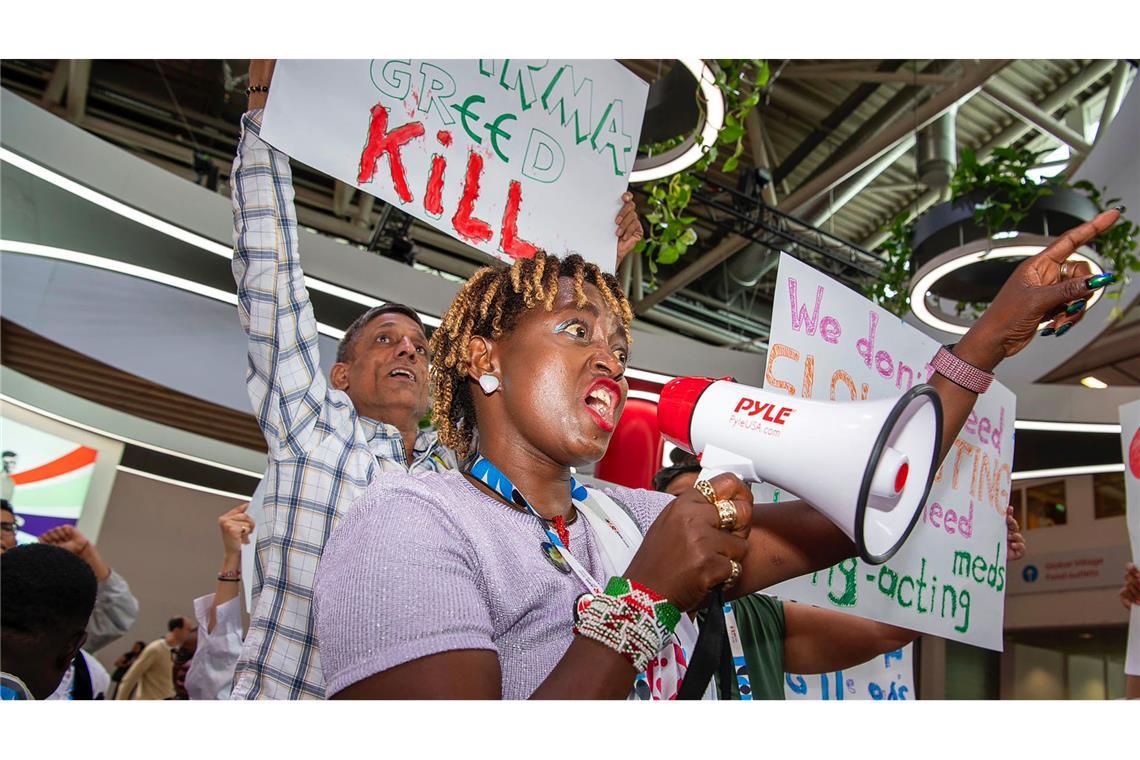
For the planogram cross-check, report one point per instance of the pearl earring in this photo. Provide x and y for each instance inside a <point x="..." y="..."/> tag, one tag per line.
<point x="489" y="384"/>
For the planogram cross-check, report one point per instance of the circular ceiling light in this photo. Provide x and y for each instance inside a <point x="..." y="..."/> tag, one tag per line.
<point x="997" y="256"/>
<point x="647" y="168"/>
<point x="955" y="261"/>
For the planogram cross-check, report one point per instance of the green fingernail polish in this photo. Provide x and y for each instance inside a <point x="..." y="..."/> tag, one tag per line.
<point x="1075" y="307"/>
<point x="1048" y="331"/>
<point x="1064" y="329"/>
<point x="1100" y="280"/>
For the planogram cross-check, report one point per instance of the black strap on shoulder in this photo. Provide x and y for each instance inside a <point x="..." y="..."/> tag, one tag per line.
<point x="81" y="682"/>
<point x="710" y="654"/>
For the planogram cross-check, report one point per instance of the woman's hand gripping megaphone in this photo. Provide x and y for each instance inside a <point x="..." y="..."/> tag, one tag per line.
<point x="686" y="554"/>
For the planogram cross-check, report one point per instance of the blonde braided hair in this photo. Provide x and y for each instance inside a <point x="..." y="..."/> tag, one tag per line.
<point x="488" y="306"/>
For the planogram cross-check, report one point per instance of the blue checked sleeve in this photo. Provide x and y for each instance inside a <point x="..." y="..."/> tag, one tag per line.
<point x="283" y="379"/>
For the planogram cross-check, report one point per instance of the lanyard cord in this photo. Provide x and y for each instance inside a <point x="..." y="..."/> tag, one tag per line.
<point x="483" y="470"/>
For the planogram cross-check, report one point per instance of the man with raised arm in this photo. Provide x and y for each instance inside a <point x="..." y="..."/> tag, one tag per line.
<point x="328" y="438"/>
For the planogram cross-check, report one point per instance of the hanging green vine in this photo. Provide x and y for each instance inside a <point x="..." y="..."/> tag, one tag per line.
<point x="671" y="232"/>
<point x="891" y="289"/>
<point x="1007" y="195"/>
<point x="1116" y="246"/>
<point x="1009" y="192"/>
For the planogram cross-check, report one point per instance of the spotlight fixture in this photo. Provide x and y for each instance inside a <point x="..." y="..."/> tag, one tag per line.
<point x="1092" y="382"/>
<point x="402" y="249"/>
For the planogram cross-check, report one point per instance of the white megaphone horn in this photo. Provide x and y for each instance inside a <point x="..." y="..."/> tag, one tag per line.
<point x="867" y="465"/>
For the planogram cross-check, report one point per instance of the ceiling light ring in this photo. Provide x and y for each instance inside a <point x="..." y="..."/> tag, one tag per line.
<point x="1018" y="246"/>
<point x="648" y="168"/>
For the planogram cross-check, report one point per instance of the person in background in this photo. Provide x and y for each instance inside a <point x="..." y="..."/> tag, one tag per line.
<point x="1130" y="595"/>
<point x="48" y="595"/>
<point x="9" y="525"/>
<point x="122" y="663"/>
<point x="219" y="615"/>
<point x="151" y="676"/>
<point x="788" y="637"/>
<point x="116" y="608"/>
<point x="328" y="438"/>
<point x="7" y="467"/>
<point x="183" y="658"/>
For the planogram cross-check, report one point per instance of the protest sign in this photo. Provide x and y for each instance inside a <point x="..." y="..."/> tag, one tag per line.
<point x="889" y="676"/>
<point x="830" y="343"/>
<point x="508" y="156"/>
<point x="1130" y="443"/>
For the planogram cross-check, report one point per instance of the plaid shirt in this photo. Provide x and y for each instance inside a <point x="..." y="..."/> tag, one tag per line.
<point x="321" y="453"/>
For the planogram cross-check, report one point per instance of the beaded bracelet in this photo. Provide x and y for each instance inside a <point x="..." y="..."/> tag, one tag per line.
<point x="256" y="88"/>
<point x="629" y="618"/>
<point x="230" y="575"/>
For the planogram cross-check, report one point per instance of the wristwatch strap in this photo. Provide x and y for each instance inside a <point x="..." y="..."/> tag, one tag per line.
<point x="961" y="372"/>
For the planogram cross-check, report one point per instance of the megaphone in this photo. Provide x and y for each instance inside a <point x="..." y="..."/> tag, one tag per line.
<point x="867" y="465"/>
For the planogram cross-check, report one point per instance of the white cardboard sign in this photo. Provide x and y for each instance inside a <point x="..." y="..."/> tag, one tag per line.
<point x="505" y="155"/>
<point x="889" y="676"/>
<point x="1130" y="443"/>
<point x="828" y="342"/>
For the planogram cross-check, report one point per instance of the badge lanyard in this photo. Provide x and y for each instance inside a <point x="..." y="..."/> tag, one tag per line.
<point x="490" y="475"/>
<point x="743" y="681"/>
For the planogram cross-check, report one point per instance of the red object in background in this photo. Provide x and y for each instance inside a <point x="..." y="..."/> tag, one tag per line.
<point x="636" y="447"/>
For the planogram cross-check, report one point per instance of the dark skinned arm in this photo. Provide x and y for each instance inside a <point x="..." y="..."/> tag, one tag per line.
<point x="588" y="670"/>
<point x="817" y="640"/>
<point x="792" y="538"/>
<point x="788" y="540"/>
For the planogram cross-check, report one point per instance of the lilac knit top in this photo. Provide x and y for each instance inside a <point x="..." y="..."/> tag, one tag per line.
<point x="427" y="563"/>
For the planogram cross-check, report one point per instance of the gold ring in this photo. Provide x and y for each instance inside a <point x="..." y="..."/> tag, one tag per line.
<point x="733" y="576"/>
<point x="727" y="512"/>
<point x="706" y="490"/>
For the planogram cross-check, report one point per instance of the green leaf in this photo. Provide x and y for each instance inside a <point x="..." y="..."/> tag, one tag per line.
<point x="689" y="236"/>
<point x="730" y="165"/>
<point x="730" y="134"/>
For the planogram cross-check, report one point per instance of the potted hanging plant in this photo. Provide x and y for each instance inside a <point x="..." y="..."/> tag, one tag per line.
<point x="996" y="210"/>
<point x="671" y="231"/>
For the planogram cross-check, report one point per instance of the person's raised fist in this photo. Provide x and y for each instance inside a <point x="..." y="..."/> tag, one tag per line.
<point x="66" y="537"/>
<point x="236" y="527"/>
